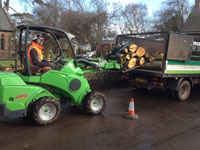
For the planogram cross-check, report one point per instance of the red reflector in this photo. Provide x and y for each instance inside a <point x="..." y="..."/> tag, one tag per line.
<point x="157" y="84"/>
<point x="154" y="83"/>
<point x="155" y="79"/>
<point x="21" y="96"/>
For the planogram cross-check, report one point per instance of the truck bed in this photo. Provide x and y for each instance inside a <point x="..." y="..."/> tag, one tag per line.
<point x="155" y="73"/>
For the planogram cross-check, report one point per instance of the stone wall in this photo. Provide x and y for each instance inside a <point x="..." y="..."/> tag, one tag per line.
<point x="9" y="45"/>
<point x="103" y="80"/>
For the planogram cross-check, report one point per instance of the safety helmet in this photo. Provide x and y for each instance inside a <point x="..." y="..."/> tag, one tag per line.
<point x="38" y="38"/>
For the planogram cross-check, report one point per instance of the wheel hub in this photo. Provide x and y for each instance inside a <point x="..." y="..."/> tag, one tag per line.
<point x="47" y="111"/>
<point x="97" y="103"/>
<point x="183" y="90"/>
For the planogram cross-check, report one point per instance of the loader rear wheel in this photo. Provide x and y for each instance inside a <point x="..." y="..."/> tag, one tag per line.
<point x="95" y="103"/>
<point x="46" y="111"/>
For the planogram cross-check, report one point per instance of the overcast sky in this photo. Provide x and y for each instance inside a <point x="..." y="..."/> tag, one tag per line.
<point x="152" y="5"/>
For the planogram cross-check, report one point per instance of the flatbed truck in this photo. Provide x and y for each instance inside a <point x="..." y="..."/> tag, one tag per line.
<point x="177" y="62"/>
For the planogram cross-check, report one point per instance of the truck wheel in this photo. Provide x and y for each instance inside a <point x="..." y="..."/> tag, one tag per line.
<point x="46" y="111"/>
<point x="183" y="92"/>
<point x="95" y="103"/>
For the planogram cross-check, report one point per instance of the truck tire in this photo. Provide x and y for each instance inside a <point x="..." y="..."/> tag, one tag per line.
<point x="46" y="111"/>
<point x="95" y="103"/>
<point x="183" y="92"/>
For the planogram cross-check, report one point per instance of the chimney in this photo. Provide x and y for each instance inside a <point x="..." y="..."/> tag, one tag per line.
<point x="197" y="4"/>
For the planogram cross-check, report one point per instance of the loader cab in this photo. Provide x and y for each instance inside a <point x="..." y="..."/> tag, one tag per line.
<point x="57" y="48"/>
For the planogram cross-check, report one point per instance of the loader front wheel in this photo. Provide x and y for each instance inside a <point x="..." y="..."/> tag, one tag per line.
<point x="95" y="103"/>
<point x="46" y="111"/>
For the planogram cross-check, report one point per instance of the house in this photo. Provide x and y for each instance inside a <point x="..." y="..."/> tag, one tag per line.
<point x="192" y="23"/>
<point x="7" y="35"/>
<point x="105" y="47"/>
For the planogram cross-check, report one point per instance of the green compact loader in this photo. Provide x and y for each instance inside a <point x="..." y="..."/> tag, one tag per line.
<point x="40" y="95"/>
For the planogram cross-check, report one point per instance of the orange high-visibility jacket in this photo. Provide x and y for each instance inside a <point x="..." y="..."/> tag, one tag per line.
<point x="38" y="48"/>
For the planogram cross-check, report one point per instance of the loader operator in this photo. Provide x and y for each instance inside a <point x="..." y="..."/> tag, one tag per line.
<point x="35" y="53"/>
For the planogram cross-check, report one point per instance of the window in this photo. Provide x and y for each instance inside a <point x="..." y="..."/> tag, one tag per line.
<point x="2" y="42"/>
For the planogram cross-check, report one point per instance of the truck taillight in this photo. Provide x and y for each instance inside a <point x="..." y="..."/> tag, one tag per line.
<point x="160" y="84"/>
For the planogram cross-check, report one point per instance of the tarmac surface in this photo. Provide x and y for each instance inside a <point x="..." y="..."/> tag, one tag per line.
<point x="163" y="124"/>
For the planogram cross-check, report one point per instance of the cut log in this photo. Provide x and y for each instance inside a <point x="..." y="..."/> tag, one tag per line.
<point x="133" y="55"/>
<point x="140" y="52"/>
<point x="122" y="60"/>
<point x="158" y="58"/>
<point x="126" y="50"/>
<point x="133" y="47"/>
<point x="146" y="55"/>
<point x="131" y="63"/>
<point x="128" y="57"/>
<point x="149" y="59"/>
<point x="155" y="65"/>
<point x="121" y="55"/>
<point x="162" y="54"/>
<point x="140" y="61"/>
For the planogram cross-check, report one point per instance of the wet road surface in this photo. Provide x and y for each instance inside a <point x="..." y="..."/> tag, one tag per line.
<point x="163" y="123"/>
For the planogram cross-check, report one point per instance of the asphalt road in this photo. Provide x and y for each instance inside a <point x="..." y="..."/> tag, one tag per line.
<point x="163" y="123"/>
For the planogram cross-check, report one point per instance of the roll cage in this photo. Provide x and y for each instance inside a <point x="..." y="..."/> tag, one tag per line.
<point x="56" y="34"/>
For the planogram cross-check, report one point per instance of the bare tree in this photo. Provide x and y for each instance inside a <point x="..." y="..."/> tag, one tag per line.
<point x="133" y="18"/>
<point x="22" y="18"/>
<point x="100" y="22"/>
<point x="88" y="20"/>
<point x="48" y="12"/>
<point x="172" y="15"/>
<point x="89" y="23"/>
<point x="79" y="5"/>
<point x="76" y="23"/>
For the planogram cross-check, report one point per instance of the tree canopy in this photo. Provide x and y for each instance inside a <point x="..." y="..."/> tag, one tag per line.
<point x="91" y="21"/>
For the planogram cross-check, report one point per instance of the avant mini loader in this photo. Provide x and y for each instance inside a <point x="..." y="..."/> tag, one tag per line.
<point x="40" y="95"/>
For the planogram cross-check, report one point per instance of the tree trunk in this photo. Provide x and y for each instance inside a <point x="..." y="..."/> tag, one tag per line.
<point x="121" y="55"/>
<point x="149" y="58"/>
<point x="158" y="58"/>
<point x="140" y="61"/>
<point x="133" y="55"/>
<point x="131" y="63"/>
<point x="140" y="52"/>
<point x="133" y="47"/>
<point x="128" y="57"/>
<point x="155" y="65"/>
<point x="126" y="50"/>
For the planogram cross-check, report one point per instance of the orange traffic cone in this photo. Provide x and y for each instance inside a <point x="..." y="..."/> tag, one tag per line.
<point x="131" y="110"/>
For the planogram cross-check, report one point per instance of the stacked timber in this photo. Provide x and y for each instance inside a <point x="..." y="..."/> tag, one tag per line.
<point x="155" y="65"/>
<point x="134" y="55"/>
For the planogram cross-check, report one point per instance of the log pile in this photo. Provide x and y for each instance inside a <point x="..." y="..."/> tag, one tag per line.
<point x="133" y="56"/>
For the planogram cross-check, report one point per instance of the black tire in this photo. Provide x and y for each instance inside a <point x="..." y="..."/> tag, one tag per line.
<point x="29" y="111"/>
<point x="51" y="106"/>
<point x="183" y="92"/>
<point x="92" y="99"/>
